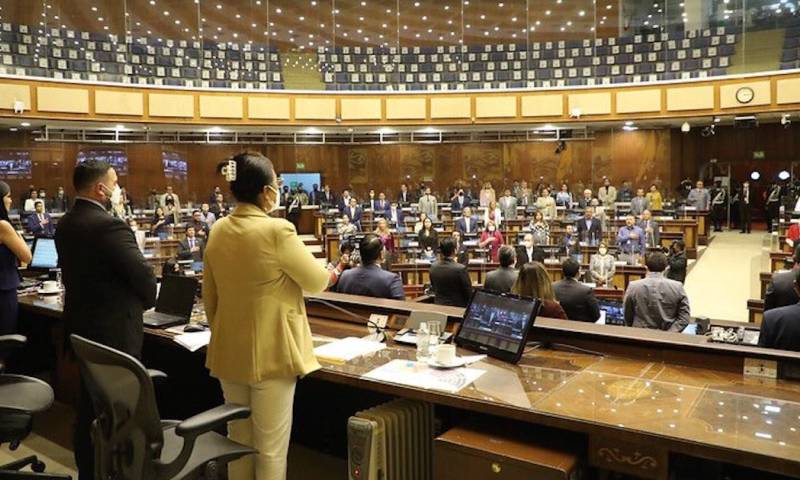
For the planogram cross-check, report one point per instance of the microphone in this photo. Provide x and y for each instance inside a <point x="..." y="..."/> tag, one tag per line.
<point x="380" y="332"/>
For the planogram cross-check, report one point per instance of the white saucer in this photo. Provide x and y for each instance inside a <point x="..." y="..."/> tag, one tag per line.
<point x="456" y="363"/>
<point x="48" y="292"/>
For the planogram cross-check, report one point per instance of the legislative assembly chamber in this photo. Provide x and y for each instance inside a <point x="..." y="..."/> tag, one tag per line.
<point x="400" y="239"/>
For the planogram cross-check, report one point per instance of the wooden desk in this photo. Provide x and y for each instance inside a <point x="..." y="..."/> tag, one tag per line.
<point x="755" y="311"/>
<point x="777" y="260"/>
<point x="651" y="395"/>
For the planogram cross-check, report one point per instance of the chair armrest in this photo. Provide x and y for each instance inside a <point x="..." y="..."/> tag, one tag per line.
<point x="154" y="374"/>
<point x="211" y="419"/>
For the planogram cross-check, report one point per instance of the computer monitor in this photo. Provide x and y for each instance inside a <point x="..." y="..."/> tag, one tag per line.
<point x="45" y="255"/>
<point x="611" y="312"/>
<point x="497" y="324"/>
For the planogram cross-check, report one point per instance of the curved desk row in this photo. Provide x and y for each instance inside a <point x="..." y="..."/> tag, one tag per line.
<point x="645" y="394"/>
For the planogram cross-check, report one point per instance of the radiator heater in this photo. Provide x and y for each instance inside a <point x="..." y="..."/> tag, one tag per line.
<point x="393" y="441"/>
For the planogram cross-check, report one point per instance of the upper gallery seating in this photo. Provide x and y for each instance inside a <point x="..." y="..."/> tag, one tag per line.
<point x="75" y="55"/>
<point x="639" y="58"/>
<point x="790" y="58"/>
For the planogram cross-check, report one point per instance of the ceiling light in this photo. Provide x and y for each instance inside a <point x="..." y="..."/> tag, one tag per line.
<point x="686" y="127"/>
<point x="755" y="175"/>
<point x="628" y="123"/>
<point x="784" y="175"/>
<point x="629" y="128"/>
<point x="25" y="124"/>
<point x="119" y="127"/>
<point x="13" y="129"/>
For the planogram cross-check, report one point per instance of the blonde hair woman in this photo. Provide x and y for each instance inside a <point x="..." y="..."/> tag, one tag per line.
<point x="256" y="269"/>
<point x="534" y="282"/>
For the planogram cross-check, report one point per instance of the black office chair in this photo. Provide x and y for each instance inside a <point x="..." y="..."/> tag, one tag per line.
<point x="20" y="398"/>
<point x="131" y="441"/>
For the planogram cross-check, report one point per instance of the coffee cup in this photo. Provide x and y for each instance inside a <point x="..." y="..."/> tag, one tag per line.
<point x="445" y="354"/>
<point x="50" y="286"/>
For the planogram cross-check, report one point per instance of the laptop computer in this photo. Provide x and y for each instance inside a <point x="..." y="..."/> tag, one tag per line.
<point x="497" y="324"/>
<point x="174" y="304"/>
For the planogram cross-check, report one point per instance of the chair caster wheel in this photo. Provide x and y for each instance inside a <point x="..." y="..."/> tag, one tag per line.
<point x="38" y="466"/>
<point x="212" y="471"/>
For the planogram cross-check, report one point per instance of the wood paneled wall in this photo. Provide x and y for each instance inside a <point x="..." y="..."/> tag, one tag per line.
<point x="643" y="157"/>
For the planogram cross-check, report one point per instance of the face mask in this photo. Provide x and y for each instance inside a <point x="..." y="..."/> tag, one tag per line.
<point x="602" y="251"/>
<point x="528" y="243"/>
<point x="115" y="197"/>
<point x="277" y="200"/>
<point x="491" y="229"/>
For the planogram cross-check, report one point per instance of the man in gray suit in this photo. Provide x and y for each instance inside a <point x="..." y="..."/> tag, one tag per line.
<point x="428" y="205"/>
<point x="656" y="301"/>
<point x="503" y="279"/>
<point x="508" y="205"/>
<point x="652" y="235"/>
<point x="699" y="197"/>
<point x="639" y="203"/>
<point x="577" y="299"/>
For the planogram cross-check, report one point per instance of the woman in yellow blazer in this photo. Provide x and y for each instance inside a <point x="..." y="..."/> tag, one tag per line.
<point x="654" y="198"/>
<point x="256" y="269"/>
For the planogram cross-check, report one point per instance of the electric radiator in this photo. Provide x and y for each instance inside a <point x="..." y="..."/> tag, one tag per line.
<point x="393" y="441"/>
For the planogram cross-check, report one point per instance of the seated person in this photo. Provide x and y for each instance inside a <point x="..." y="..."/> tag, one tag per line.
<point x="534" y="282"/>
<point x="602" y="267"/>
<point x="491" y="239"/>
<point x="161" y="222"/>
<point x="369" y="279"/>
<point x="450" y="281"/>
<point x="467" y="223"/>
<point x="191" y="247"/>
<point x="780" y="290"/>
<point x="577" y="300"/>
<point x="503" y="279"/>
<point x="345" y="229"/>
<point x="781" y="326"/>
<point x="39" y="223"/>
<point x="671" y="310"/>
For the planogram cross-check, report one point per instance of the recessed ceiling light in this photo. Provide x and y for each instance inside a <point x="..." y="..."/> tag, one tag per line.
<point x="25" y="124"/>
<point x="13" y="129"/>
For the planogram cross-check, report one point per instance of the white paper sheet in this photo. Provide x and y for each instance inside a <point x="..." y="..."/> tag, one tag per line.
<point x="420" y="375"/>
<point x="193" y="341"/>
<point x="347" y="349"/>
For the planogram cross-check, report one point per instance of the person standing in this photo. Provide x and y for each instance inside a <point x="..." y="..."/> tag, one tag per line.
<point x="773" y="207"/>
<point x="13" y="250"/>
<point x="428" y="205"/>
<point x="40" y="224"/>
<point x="607" y="194"/>
<point x="630" y="240"/>
<point x="491" y="240"/>
<point x="719" y="200"/>
<point x="171" y="204"/>
<point x="503" y="278"/>
<point x="676" y="261"/>
<point x="108" y="283"/>
<point x="257" y="307"/>
<point x="60" y="202"/>
<point x="651" y="229"/>
<point x="698" y="197"/>
<point x="654" y="198"/>
<point x="745" y="198"/>
<point x="639" y="203"/>
<point x="656" y="301"/>
<point x="508" y="206"/>
<point x="602" y="267"/>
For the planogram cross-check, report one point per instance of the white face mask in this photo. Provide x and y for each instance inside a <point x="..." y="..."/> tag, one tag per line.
<point x="277" y="200"/>
<point x="116" y="194"/>
<point x="528" y="243"/>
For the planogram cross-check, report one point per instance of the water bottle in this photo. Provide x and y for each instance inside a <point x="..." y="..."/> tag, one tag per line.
<point x="423" y="343"/>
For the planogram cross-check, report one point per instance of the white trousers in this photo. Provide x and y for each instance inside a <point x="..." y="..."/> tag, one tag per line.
<point x="267" y="430"/>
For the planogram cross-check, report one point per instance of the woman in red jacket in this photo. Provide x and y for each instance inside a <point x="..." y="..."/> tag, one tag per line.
<point x="491" y="239"/>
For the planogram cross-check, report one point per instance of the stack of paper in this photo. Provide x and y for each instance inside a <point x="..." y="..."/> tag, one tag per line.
<point x="416" y="374"/>
<point x="346" y="349"/>
<point x="193" y="341"/>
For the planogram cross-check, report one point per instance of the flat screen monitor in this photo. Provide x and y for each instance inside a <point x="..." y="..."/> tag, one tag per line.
<point x="15" y="164"/>
<point x="497" y="324"/>
<point x="611" y="312"/>
<point x="44" y="253"/>
<point x="117" y="158"/>
<point x="308" y="180"/>
<point x="175" y="165"/>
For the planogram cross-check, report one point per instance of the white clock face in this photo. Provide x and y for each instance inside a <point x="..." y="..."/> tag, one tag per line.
<point x="745" y="95"/>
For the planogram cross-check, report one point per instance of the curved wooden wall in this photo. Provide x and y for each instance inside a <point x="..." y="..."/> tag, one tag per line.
<point x="83" y="101"/>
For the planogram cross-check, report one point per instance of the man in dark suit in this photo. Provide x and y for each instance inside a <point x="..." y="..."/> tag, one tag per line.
<point x="449" y="279"/>
<point x="396" y="216"/>
<point x="354" y="212"/>
<point x="380" y="206"/>
<point x="745" y="202"/>
<point x="368" y="278"/>
<point x="314" y="195"/>
<point x="780" y="327"/>
<point x="405" y="198"/>
<point x="652" y="235"/>
<point x="201" y="228"/>
<point x="107" y="280"/>
<point x="327" y="198"/>
<point x="527" y="252"/>
<point x="577" y="300"/>
<point x="503" y="279"/>
<point x="460" y="201"/>
<point x="39" y="222"/>
<point x="589" y="228"/>
<point x="467" y="223"/>
<point x="780" y="290"/>
<point x="191" y="247"/>
<point x="462" y="254"/>
<point x="344" y="201"/>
